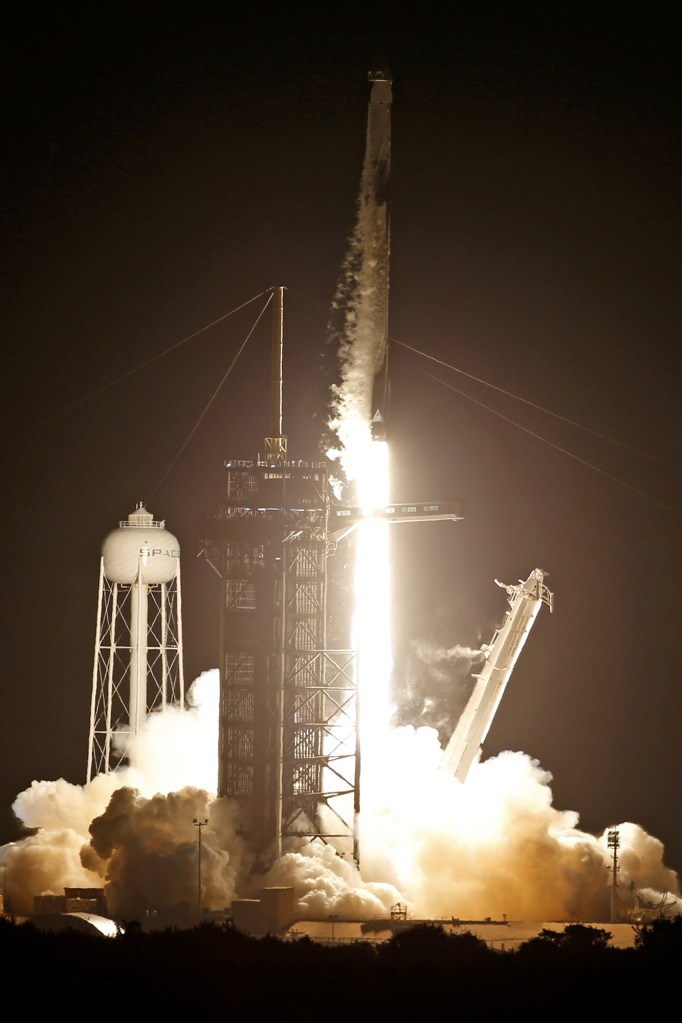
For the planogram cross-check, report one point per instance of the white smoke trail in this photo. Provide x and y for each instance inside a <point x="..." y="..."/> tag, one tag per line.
<point x="457" y="654"/>
<point x="360" y="302"/>
<point x="435" y="684"/>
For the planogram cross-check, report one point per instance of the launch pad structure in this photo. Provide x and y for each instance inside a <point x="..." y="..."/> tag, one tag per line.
<point x="288" y="702"/>
<point x="288" y="742"/>
<point x="288" y="737"/>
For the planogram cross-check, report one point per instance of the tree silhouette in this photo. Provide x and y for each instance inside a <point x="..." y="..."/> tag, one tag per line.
<point x="660" y="940"/>
<point x="575" y="941"/>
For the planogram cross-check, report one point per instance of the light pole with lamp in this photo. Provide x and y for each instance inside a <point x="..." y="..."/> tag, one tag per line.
<point x="199" y="823"/>
<point x="613" y="841"/>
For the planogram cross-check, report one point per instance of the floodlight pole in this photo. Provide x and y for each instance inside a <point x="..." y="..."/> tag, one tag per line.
<point x="613" y="839"/>
<point x="199" y="823"/>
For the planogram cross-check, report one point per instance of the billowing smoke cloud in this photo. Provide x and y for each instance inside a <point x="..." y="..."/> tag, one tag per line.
<point x="192" y="734"/>
<point x="496" y="845"/>
<point x="435" y="685"/>
<point x="176" y="749"/>
<point x="327" y="883"/>
<point x="147" y="851"/>
<point x="132" y="833"/>
<point x="493" y="846"/>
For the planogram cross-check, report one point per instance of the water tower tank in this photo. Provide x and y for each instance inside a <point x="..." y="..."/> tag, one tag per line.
<point x="140" y="542"/>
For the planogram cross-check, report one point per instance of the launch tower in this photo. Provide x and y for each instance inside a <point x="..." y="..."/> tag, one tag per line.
<point x="287" y="704"/>
<point x="138" y="666"/>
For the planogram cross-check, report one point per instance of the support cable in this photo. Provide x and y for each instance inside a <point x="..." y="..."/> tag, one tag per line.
<point x="138" y="369"/>
<point x="214" y="395"/>
<point x="537" y="436"/>
<point x="532" y="404"/>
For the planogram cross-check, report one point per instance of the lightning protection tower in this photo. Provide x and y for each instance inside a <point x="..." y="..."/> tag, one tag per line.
<point x="138" y="666"/>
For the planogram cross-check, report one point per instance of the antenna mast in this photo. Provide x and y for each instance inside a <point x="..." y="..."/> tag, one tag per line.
<point x="276" y="443"/>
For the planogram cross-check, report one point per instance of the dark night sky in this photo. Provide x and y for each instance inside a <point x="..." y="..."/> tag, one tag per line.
<point x="158" y="174"/>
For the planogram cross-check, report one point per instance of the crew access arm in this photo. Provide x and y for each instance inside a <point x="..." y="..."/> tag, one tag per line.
<point x="501" y="654"/>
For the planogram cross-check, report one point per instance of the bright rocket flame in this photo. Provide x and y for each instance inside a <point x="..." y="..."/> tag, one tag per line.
<point x="372" y="637"/>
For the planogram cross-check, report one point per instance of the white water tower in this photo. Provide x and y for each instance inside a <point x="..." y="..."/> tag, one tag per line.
<point x="138" y="665"/>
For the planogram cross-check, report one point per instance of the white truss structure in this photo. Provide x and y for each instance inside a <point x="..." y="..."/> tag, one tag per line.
<point x="138" y="666"/>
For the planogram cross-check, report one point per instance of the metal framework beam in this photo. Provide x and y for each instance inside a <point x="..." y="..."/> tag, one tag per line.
<point x="123" y="609"/>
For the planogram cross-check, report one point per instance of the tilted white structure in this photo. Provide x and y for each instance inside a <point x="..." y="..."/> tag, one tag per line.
<point x="138" y="665"/>
<point x="501" y="654"/>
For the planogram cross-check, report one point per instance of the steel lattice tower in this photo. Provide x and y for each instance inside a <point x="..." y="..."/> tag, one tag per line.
<point x="287" y="705"/>
<point x="138" y="665"/>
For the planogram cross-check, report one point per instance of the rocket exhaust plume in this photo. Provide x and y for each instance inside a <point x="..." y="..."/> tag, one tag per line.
<point x="358" y="421"/>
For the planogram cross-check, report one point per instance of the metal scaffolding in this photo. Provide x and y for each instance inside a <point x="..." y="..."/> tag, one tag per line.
<point x="287" y="709"/>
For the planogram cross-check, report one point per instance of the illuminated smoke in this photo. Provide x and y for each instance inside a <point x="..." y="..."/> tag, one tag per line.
<point x="176" y="749"/>
<point x="327" y="883"/>
<point x="435" y="685"/>
<point x="132" y="833"/>
<point x="147" y="850"/>
<point x="494" y="846"/>
<point x="192" y="735"/>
